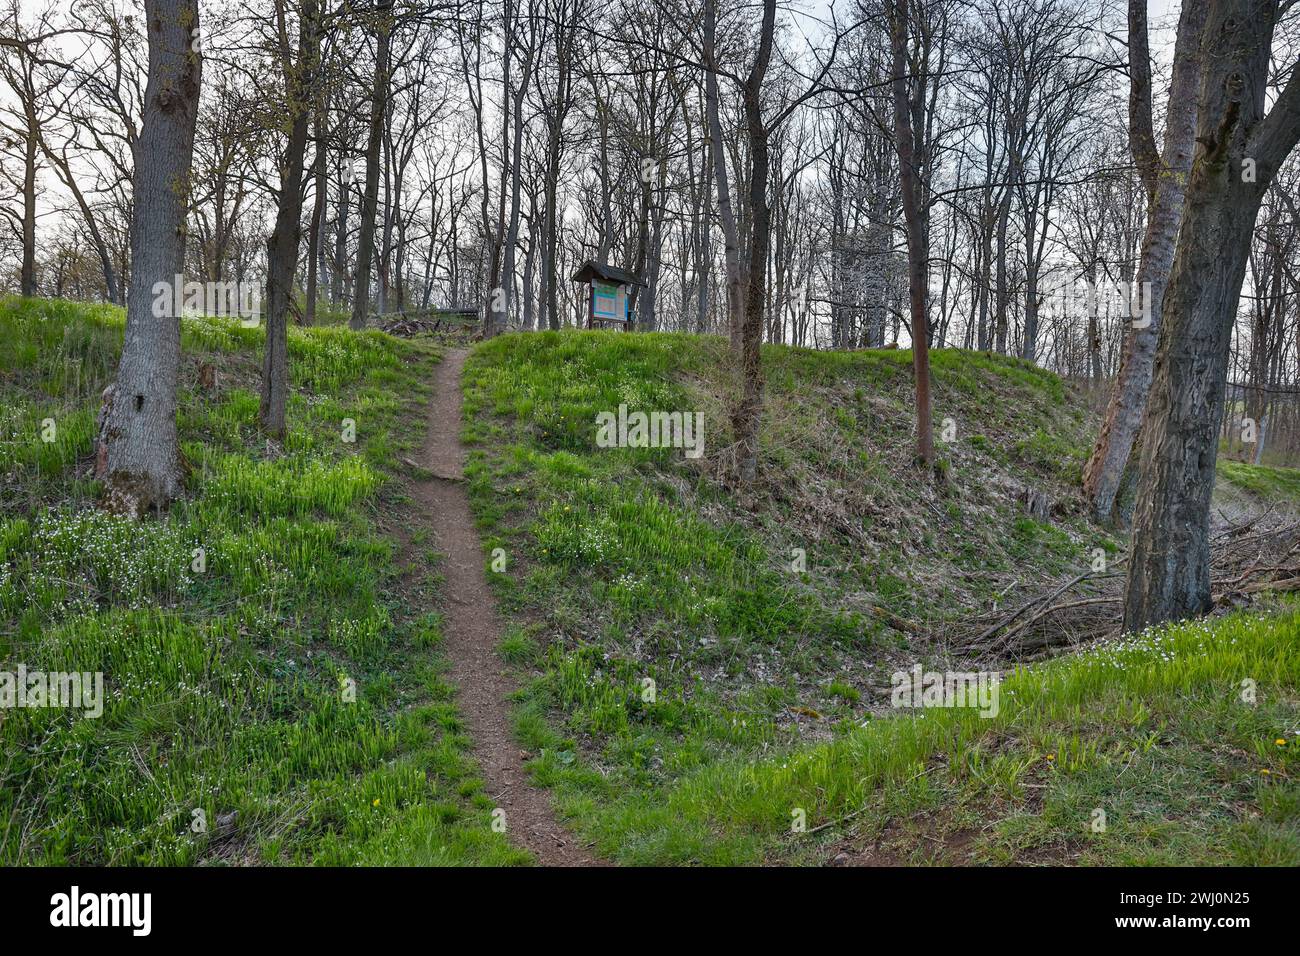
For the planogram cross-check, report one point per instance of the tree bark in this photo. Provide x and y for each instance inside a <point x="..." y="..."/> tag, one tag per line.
<point x="704" y="245"/>
<point x="282" y="247"/>
<point x="917" y="245"/>
<point x="339" y="292"/>
<point x="370" y="200"/>
<point x="726" y="215"/>
<point x="748" y="409"/>
<point x="27" y="271"/>
<point x="500" y="320"/>
<point x="314" y="240"/>
<point x="1094" y="328"/>
<point x="1141" y="135"/>
<point x="1103" y="474"/>
<point x="564" y="40"/>
<point x="550" y="235"/>
<point x="530" y="270"/>
<point x="1003" y="292"/>
<point x="143" y="456"/>
<point x="1239" y="150"/>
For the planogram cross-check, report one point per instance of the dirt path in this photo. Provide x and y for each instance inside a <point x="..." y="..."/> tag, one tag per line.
<point x="473" y="631"/>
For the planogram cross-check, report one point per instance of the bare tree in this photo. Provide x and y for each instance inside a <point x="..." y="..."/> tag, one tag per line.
<point x="21" y="121"/>
<point x="298" y="69"/>
<point x="721" y="179"/>
<point x="909" y="88"/>
<point x="383" y="28"/>
<point x="746" y="416"/>
<point x="521" y="34"/>
<point x="564" y="16"/>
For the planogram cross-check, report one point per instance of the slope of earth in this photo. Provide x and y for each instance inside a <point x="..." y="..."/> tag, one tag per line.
<point x="1249" y="488"/>
<point x="687" y="649"/>
<point x="274" y="688"/>
<point x="1175" y="747"/>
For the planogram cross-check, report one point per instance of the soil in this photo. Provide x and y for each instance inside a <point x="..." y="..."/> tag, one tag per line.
<point x="473" y="631"/>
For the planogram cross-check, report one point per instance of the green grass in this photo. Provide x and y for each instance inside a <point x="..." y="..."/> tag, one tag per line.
<point x="1153" y="731"/>
<point x="693" y="686"/>
<point x="268" y="671"/>
<point x="1269" y="483"/>
<point x="677" y="639"/>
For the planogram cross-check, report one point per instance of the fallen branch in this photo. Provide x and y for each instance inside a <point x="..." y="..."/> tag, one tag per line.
<point x="893" y="620"/>
<point x="1286" y="584"/>
<point x="1052" y="596"/>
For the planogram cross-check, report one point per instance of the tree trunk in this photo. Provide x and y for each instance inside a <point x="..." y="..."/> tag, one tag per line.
<point x="502" y="319"/>
<point x="983" y="339"/>
<point x="282" y="247"/>
<point x="27" y="277"/>
<point x="1238" y="153"/>
<point x="370" y="201"/>
<point x="704" y="245"/>
<point x="385" y="260"/>
<point x="638" y="263"/>
<point x="143" y="456"/>
<point x="550" y="235"/>
<point x="530" y="271"/>
<point x="731" y="237"/>
<point x="1029" y="344"/>
<point x="1104" y="472"/>
<point x="748" y="410"/>
<point x="647" y="317"/>
<point x="606" y="177"/>
<point x="1003" y="293"/>
<point x="917" y="246"/>
<point x="314" y="243"/>
<point x="338" y="290"/>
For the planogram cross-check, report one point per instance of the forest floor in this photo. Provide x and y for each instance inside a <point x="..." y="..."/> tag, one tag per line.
<point x="710" y="683"/>
<point x="283" y="701"/>
<point x="317" y="656"/>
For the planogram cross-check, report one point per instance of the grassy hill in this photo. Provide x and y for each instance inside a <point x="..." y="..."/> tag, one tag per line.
<point x="702" y="675"/>
<point x="228" y="735"/>
<point x="1268" y="485"/>
<point x="694" y="684"/>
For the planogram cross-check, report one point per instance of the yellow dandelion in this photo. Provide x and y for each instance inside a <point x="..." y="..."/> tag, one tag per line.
<point x="376" y="802"/>
<point x="1265" y="771"/>
<point x="1051" y="756"/>
<point x="1280" y="742"/>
